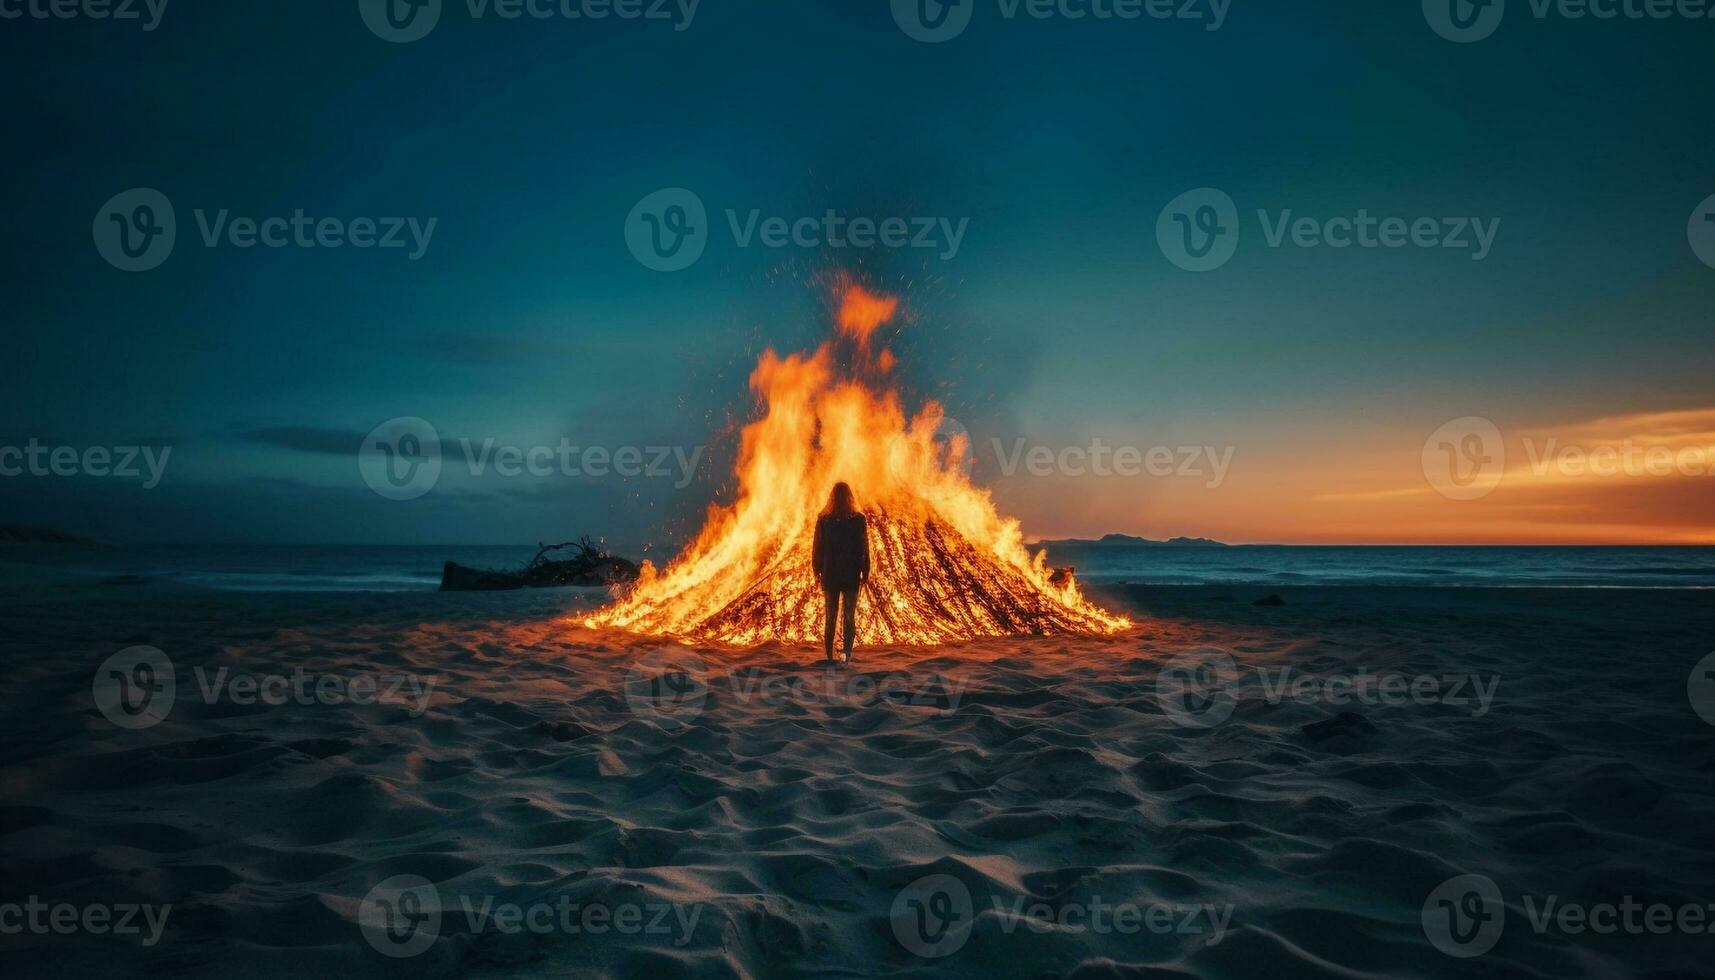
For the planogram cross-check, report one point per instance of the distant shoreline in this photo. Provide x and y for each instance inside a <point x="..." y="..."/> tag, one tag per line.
<point x="1129" y="541"/>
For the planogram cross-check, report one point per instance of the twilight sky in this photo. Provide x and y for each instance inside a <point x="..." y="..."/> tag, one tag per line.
<point x="1320" y="375"/>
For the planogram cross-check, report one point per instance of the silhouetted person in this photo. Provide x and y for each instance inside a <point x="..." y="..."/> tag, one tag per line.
<point x="840" y="557"/>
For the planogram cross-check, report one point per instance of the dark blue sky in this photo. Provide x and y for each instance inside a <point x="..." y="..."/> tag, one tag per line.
<point x="527" y="320"/>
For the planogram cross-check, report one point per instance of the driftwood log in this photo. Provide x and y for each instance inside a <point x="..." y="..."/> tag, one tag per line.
<point x="588" y="565"/>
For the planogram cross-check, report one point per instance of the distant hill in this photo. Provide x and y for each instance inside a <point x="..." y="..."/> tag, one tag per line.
<point x="1130" y="541"/>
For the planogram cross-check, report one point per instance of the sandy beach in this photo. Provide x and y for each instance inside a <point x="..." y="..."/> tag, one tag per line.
<point x="1261" y="454"/>
<point x="472" y="785"/>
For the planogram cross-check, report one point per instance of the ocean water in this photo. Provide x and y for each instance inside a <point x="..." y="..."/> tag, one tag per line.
<point x="370" y="568"/>
<point x="1443" y="567"/>
<point x="270" y="568"/>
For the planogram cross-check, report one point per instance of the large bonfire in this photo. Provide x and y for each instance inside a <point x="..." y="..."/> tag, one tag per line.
<point x="945" y="565"/>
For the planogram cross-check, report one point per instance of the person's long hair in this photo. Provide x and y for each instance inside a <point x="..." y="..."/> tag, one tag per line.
<point x="840" y="502"/>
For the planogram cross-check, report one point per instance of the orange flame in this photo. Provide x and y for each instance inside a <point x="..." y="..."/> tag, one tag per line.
<point x="945" y="564"/>
<point x="861" y="311"/>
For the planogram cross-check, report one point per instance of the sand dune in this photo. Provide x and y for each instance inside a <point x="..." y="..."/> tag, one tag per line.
<point x="752" y="814"/>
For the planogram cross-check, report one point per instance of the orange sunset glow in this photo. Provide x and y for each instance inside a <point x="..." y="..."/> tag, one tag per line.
<point x="1643" y="478"/>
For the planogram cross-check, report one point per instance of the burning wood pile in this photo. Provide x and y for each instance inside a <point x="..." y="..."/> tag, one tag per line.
<point x="945" y="564"/>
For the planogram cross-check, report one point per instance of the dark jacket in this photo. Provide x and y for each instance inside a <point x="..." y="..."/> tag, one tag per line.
<point x="840" y="554"/>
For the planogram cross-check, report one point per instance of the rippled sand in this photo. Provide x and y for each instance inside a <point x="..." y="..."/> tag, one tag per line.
<point x="776" y="817"/>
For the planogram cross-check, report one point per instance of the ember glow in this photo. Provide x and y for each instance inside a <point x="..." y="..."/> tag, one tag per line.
<point x="945" y="565"/>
